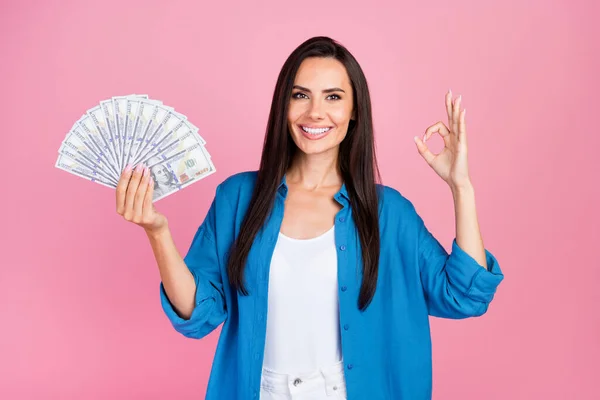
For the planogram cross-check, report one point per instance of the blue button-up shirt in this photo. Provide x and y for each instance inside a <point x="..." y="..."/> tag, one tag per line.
<point x="386" y="348"/>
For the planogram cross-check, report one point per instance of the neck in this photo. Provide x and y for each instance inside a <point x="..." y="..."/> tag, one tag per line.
<point x="313" y="171"/>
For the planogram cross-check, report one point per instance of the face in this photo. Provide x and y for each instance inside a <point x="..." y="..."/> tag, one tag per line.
<point x="321" y="98"/>
<point x="161" y="174"/>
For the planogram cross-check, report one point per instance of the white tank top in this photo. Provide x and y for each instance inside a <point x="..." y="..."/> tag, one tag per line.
<point x="303" y="332"/>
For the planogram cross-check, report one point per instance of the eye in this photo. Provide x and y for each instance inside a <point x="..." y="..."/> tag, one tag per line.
<point x="295" y="96"/>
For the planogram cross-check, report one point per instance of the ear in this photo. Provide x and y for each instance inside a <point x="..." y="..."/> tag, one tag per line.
<point x="353" y="117"/>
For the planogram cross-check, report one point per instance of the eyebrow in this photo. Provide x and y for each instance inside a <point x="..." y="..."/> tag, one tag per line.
<point x="335" y="89"/>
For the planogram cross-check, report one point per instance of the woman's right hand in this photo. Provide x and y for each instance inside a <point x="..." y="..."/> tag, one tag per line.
<point x="134" y="199"/>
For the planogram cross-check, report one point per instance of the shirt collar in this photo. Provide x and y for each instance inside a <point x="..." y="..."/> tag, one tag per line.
<point x="283" y="189"/>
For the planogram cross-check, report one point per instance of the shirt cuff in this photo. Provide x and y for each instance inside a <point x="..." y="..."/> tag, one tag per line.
<point x="206" y="313"/>
<point x="472" y="278"/>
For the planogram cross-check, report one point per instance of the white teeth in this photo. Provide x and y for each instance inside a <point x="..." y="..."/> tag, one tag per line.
<point x="315" y="131"/>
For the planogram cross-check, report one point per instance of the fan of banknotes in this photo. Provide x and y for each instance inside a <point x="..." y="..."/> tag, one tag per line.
<point x="136" y="130"/>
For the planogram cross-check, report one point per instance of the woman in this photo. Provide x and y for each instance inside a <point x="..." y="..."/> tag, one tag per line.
<point x="324" y="279"/>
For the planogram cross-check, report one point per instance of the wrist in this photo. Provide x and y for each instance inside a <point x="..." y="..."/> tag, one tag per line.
<point x="462" y="189"/>
<point x="158" y="233"/>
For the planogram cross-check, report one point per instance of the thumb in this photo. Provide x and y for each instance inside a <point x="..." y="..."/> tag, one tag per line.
<point x="424" y="150"/>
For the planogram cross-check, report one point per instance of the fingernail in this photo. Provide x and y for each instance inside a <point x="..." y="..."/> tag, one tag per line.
<point x="128" y="168"/>
<point x="139" y="168"/>
<point x="416" y="139"/>
<point x="146" y="171"/>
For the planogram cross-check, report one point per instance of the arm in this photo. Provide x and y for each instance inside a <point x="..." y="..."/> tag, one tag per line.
<point x="191" y="289"/>
<point x="460" y="284"/>
<point x="178" y="282"/>
<point x="468" y="236"/>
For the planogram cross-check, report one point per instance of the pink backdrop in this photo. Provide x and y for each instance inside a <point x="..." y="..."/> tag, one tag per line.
<point x="79" y="299"/>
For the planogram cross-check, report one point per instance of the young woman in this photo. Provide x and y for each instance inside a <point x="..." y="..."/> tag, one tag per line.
<point x="323" y="277"/>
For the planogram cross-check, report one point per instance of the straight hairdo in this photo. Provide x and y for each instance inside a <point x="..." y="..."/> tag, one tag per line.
<point x="357" y="162"/>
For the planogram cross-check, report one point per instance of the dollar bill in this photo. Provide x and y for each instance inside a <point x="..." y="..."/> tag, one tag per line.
<point x="164" y="120"/>
<point x="68" y="164"/>
<point x="179" y="170"/>
<point x="108" y="112"/>
<point x="81" y="156"/>
<point x="134" y="129"/>
<point x="121" y="113"/>
<point x="81" y="144"/>
<point x="95" y="122"/>
<point x="150" y="115"/>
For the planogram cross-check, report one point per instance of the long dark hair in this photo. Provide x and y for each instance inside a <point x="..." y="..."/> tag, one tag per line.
<point x="356" y="161"/>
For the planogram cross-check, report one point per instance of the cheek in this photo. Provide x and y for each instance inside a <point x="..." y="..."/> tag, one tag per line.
<point x="340" y="115"/>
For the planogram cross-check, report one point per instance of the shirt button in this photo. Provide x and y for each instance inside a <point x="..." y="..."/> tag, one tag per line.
<point x="260" y="317"/>
<point x="350" y="366"/>
<point x="256" y="356"/>
<point x="346" y="327"/>
<point x="344" y="288"/>
<point x="342" y="247"/>
<point x="342" y="219"/>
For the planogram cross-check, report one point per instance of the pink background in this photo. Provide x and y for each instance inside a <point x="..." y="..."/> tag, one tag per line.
<point x="79" y="287"/>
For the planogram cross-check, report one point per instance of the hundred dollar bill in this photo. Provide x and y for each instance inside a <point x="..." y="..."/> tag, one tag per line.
<point x="108" y="112"/>
<point x="150" y="116"/>
<point x="194" y="128"/>
<point x="86" y="126"/>
<point x="179" y="170"/>
<point x="68" y="164"/>
<point x="138" y="114"/>
<point x="179" y="136"/>
<point x="132" y="124"/>
<point x="122" y="112"/>
<point x="82" y="144"/>
<point x="97" y="122"/>
<point x="78" y="155"/>
<point x="164" y="120"/>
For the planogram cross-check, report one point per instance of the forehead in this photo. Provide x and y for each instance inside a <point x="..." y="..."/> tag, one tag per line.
<point x="317" y="73"/>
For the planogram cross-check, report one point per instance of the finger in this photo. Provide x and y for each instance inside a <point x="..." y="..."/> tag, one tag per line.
<point x="462" y="127"/>
<point x="122" y="189"/>
<point x="456" y="114"/>
<point x="131" y="190"/>
<point x="449" y="106"/>
<point x="149" y="196"/>
<point x="424" y="150"/>
<point x="438" y="127"/>
<point x="138" y="203"/>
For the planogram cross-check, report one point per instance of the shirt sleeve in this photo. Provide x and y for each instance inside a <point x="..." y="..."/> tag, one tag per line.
<point x="203" y="262"/>
<point x="455" y="285"/>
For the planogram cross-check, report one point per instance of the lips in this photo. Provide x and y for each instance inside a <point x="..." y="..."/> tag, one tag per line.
<point x="314" y="136"/>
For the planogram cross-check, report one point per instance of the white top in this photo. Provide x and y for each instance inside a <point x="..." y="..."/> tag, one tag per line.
<point x="303" y="332"/>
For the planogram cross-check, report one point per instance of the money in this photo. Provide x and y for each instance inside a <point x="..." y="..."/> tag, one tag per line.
<point x="133" y="130"/>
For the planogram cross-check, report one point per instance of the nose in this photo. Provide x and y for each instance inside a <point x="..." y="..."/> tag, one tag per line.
<point x="316" y="110"/>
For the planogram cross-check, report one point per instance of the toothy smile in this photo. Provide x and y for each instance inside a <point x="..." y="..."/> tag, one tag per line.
<point x="314" y="131"/>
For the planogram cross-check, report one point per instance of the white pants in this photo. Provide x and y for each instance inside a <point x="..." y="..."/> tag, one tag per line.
<point x="322" y="384"/>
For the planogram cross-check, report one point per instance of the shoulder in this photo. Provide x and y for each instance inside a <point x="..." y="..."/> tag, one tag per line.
<point x="237" y="186"/>
<point x="391" y="197"/>
<point x="395" y="206"/>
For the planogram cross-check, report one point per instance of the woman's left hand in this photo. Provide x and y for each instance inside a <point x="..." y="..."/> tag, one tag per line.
<point x="451" y="163"/>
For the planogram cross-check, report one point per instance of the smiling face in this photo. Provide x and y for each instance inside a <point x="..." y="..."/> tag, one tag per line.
<point x="322" y="98"/>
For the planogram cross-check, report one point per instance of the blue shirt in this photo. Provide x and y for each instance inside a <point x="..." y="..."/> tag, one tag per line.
<point x="386" y="348"/>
